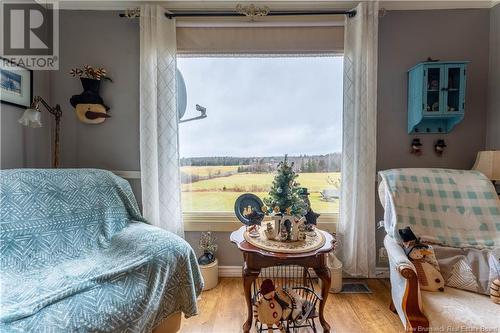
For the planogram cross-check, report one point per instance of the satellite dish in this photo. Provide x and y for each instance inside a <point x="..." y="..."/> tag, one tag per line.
<point x="181" y="93"/>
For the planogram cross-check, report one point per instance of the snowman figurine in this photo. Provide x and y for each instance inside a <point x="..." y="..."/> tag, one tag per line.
<point x="421" y="255"/>
<point x="429" y="278"/>
<point x="268" y="308"/>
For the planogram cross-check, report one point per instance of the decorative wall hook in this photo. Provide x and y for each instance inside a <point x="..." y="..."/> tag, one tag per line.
<point x="416" y="146"/>
<point x="439" y="146"/>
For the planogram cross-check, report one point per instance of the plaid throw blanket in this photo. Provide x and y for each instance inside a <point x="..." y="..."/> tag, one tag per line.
<point x="456" y="208"/>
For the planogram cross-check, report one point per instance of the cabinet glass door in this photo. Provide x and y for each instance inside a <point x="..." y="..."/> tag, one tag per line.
<point x="454" y="88"/>
<point x="433" y="77"/>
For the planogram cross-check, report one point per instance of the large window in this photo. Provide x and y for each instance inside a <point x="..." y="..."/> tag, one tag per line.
<point x="259" y="109"/>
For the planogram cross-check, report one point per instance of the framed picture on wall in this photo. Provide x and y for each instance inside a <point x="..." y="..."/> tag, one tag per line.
<point x="16" y="84"/>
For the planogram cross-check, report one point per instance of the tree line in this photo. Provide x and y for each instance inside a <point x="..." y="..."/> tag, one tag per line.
<point x="302" y="163"/>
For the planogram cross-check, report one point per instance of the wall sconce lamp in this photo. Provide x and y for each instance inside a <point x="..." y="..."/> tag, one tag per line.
<point x="439" y="146"/>
<point x="32" y="118"/>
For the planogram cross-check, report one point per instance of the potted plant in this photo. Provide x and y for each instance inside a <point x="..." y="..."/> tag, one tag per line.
<point x="209" y="247"/>
<point x="208" y="263"/>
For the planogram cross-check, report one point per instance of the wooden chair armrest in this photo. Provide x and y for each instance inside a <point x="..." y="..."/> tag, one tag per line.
<point x="405" y="295"/>
<point x="416" y="320"/>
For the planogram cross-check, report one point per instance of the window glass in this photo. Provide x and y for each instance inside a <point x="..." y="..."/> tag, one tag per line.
<point x="258" y="110"/>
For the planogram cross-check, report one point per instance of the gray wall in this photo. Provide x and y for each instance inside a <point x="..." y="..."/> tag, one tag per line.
<point x="26" y="147"/>
<point x="408" y="37"/>
<point x="227" y="253"/>
<point x="113" y="43"/>
<point x="405" y="37"/>
<point x="493" y="117"/>
<point x="100" y="38"/>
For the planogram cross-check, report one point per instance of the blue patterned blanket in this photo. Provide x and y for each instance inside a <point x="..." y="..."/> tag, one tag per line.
<point x="76" y="256"/>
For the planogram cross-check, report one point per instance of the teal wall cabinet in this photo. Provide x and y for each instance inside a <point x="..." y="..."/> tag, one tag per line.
<point x="436" y="96"/>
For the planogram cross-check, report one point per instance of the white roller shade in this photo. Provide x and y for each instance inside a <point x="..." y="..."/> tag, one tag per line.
<point x="260" y="40"/>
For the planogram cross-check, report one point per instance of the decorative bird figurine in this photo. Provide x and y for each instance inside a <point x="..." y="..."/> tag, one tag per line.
<point x="311" y="217"/>
<point x="255" y="217"/>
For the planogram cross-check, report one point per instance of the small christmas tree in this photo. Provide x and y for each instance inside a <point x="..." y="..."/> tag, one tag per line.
<point x="285" y="194"/>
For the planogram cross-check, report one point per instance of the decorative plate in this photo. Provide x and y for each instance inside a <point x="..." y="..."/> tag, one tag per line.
<point x="243" y="201"/>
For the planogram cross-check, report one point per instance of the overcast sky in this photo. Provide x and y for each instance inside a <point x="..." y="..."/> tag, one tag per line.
<point x="262" y="106"/>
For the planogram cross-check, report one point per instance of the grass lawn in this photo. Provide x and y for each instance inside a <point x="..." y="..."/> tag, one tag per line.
<point x="315" y="182"/>
<point x="208" y="195"/>
<point x="224" y="202"/>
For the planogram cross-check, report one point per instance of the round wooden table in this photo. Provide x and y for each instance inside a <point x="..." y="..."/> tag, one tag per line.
<point x="255" y="259"/>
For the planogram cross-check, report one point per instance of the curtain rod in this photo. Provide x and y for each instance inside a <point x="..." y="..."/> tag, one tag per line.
<point x="136" y="13"/>
<point x="349" y="13"/>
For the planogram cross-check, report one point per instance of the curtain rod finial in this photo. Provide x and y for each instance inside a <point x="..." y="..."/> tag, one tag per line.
<point x="131" y="13"/>
<point x="169" y="14"/>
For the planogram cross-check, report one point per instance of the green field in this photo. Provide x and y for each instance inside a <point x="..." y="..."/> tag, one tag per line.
<point x="220" y="193"/>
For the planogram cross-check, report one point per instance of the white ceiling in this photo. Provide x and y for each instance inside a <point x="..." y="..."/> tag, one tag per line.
<point x="276" y="4"/>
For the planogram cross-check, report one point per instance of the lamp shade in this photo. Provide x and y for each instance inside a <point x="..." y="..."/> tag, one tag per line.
<point x="31" y="118"/>
<point x="488" y="162"/>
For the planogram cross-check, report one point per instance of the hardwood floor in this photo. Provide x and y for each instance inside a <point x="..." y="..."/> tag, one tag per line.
<point x="223" y="310"/>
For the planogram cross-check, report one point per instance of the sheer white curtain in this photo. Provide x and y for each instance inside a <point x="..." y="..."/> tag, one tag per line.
<point x="159" y="141"/>
<point x="357" y="222"/>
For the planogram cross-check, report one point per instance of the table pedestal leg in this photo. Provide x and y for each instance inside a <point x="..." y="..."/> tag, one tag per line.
<point x="324" y="274"/>
<point x="249" y="276"/>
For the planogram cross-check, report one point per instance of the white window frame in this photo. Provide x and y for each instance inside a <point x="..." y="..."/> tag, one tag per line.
<point x="227" y="221"/>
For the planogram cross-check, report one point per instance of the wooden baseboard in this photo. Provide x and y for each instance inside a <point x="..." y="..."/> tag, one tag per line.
<point x="382" y="273"/>
<point x="230" y="271"/>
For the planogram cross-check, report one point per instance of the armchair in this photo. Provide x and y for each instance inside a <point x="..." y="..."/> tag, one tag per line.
<point x="454" y="309"/>
<point x="422" y="311"/>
